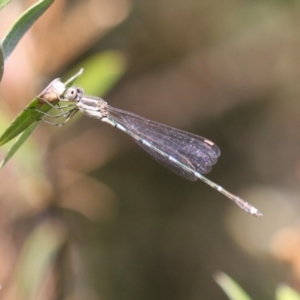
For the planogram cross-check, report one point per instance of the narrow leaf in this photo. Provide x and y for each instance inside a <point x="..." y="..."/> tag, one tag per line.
<point x="284" y="292"/>
<point x="20" y="125"/>
<point x="230" y="287"/>
<point x="23" y="120"/>
<point x="21" y="139"/>
<point x="3" y="3"/>
<point x="30" y="114"/>
<point x="22" y="25"/>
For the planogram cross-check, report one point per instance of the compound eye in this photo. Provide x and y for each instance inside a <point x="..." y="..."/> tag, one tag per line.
<point x="71" y="93"/>
<point x="79" y="92"/>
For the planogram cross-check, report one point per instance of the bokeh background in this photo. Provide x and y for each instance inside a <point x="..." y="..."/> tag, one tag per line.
<point x="86" y="214"/>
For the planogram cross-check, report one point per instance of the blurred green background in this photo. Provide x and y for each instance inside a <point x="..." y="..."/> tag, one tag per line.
<point x="86" y="214"/>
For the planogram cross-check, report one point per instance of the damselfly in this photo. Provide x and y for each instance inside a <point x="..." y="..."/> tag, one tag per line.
<point x="186" y="154"/>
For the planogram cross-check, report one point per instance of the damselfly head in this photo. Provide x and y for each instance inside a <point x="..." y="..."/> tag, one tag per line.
<point x="74" y="94"/>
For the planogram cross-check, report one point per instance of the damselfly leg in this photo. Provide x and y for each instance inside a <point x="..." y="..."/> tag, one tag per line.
<point x="66" y="111"/>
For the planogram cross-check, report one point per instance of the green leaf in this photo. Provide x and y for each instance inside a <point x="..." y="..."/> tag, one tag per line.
<point x="21" y="139"/>
<point x="25" y="123"/>
<point x="3" y="3"/>
<point x="22" y="25"/>
<point x="230" y="287"/>
<point x="284" y="292"/>
<point x="30" y="113"/>
<point x="23" y="120"/>
<point x="1" y="62"/>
